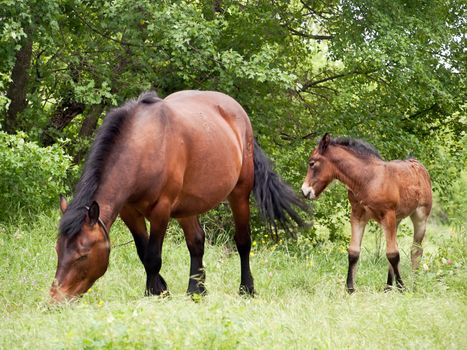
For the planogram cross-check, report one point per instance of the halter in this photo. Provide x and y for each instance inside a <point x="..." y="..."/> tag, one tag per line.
<point x="102" y="225"/>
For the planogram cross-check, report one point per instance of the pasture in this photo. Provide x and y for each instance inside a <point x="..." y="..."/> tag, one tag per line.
<point x="301" y="301"/>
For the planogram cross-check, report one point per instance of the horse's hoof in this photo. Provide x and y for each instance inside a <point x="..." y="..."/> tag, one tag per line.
<point x="401" y="289"/>
<point x="350" y="290"/>
<point x="199" y="290"/>
<point x="160" y="293"/>
<point x="247" y="290"/>
<point x="388" y="288"/>
<point x="158" y="287"/>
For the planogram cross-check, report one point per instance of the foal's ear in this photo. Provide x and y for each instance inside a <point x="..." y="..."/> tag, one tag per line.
<point x="63" y="204"/>
<point x="93" y="213"/>
<point x="324" y="143"/>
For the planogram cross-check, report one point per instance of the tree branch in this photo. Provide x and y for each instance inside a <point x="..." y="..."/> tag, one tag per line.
<point x="313" y="83"/>
<point x="310" y="36"/>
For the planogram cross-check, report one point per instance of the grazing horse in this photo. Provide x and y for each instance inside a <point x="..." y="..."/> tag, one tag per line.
<point x="158" y="159"/>
<point x="382" y="191"/>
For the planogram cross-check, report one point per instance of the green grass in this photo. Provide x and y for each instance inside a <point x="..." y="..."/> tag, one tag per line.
<point x="301" y="301"/>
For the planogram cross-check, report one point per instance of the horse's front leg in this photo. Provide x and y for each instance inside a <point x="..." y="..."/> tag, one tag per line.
<point x="134" y="220"/>
<point x="389" y="225"/>
<point x="358" y="221"/>
<point x="159" y="219"/>
<point x="194" y="236"/>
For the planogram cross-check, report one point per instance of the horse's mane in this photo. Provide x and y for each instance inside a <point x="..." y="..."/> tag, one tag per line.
<point x="107" y="135"/>
<point x="359" y="147"/>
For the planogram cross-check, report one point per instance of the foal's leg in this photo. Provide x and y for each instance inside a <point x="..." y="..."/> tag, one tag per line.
<point x="358" y="221"/>
<point x="194" y="236"/>
<point x="137" y="226"/>
<point x="159" y="219"/>
<point x="239" y="202"/>
<point x="392" y="251"/>
<point x="419" y="219"/>
<point x="390" y="279"/>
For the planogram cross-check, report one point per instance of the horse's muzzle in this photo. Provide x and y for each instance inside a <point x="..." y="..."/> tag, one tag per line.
<point x="308" y="191"/>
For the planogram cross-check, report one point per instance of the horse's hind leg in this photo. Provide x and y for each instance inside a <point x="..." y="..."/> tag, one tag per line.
<point x="390" y="279"/>
<point x="194" y="236"/>
<point x="239" y="202"/>
<point x="392" y="251"/>
<point x="419" y="219"/>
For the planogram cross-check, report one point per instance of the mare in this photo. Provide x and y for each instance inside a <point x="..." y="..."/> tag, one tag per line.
<point x="158" y="159"/>
<point x="382" y="191"/>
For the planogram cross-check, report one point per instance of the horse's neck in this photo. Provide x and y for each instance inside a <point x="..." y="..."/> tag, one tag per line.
<point x="113" y="192"/>
<point x="354" y="172"/>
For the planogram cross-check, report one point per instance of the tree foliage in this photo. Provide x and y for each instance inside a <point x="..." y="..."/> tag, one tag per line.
<point x="391" y="73"/>
<point x="31" y="177"/>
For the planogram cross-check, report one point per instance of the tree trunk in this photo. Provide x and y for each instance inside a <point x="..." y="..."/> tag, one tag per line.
<point x="19" y="80"/>
<point x="65" y="112"/>
<point x="217" y="6"/>
<point x="87" y="128"/>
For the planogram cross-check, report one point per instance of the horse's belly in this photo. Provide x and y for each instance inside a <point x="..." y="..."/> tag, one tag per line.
<point x="206" y="183"/>
<point x="190" y="206"/>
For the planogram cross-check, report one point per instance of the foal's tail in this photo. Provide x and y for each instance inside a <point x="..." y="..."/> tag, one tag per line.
<point x="275" y="199"/>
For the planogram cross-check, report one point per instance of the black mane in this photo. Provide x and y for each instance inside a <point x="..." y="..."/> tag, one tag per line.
<point x="107" y="135"/>
<point x="359" y="147"/>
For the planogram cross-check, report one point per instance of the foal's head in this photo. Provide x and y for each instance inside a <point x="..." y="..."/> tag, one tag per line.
<point x="320" y="170"/>
<point x="83" y="253"/>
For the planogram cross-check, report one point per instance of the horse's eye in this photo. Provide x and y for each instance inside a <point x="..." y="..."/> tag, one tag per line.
<point x="311" y="163"/>
<point x="82" y="257"/>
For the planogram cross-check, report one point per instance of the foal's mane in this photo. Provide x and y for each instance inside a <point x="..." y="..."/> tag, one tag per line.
<point x="107" y="136"/>
<point x="358" y="147"/>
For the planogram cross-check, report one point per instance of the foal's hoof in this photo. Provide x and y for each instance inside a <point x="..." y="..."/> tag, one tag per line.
<point x="350" y="290"/>
<point x="390" y="288"/>
<point x="247" y="290"/>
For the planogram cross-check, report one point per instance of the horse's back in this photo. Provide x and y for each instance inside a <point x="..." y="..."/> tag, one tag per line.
<point x="208" y="135"/>
<point x="414" y="185"/>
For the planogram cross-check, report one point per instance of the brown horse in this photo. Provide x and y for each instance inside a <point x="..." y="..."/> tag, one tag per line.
<point x="160" y="159"/>
<point x="383" y="191"/>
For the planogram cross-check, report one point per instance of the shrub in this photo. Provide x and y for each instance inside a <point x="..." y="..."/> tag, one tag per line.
<point x="31" y="177"/>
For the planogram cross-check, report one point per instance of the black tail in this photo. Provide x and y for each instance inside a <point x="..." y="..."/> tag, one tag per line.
<point x="275" y="199"/>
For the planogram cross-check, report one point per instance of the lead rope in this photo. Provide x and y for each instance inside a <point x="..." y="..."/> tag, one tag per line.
<point x="122" y="244"/>
<point x="106" y="232"/>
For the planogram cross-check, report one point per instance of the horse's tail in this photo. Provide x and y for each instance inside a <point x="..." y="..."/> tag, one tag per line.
<point x="274" y="198"/>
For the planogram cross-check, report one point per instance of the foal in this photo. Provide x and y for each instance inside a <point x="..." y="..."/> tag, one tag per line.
<point x="383" y="191"/>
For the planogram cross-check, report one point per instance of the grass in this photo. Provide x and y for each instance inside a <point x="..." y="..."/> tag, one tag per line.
<point x="301" y="302"/>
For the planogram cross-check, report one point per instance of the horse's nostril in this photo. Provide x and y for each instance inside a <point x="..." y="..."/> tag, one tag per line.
<point x="305" y="190"/>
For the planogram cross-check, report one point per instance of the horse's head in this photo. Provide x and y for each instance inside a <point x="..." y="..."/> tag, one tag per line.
<point x="320" y="170"/>
<point x="83" y="257"/>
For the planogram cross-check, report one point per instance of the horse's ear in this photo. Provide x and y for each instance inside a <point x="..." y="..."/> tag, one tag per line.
<point x="63" y="204"/>
<point x="93" y="213"/>
<point x="324" y="143"/>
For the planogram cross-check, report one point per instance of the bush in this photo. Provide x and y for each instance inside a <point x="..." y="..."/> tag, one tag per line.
<point x="31" y="177"/>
